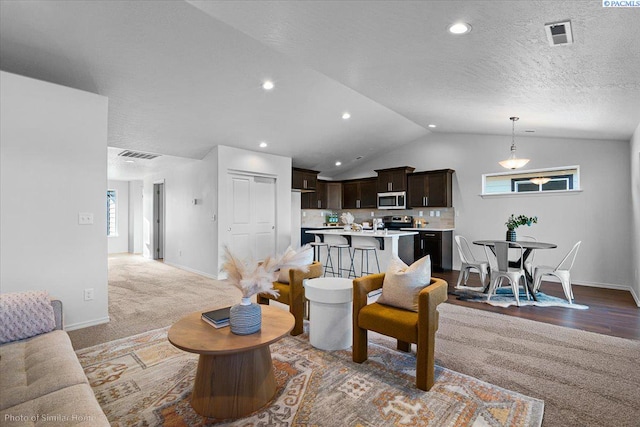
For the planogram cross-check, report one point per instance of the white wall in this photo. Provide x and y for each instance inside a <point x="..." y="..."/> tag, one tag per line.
<point x="192" y="231"/>
<point x="600" y="215"/>
<point x="190" y="234"/>
<point x="53" y="142"/>
<point x="120" y="242"/>
<point x="635" y="200"/>
<point x="135" y="217"/>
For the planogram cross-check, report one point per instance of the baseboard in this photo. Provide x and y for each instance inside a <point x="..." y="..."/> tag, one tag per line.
<point x="635" y="296"/>
<point x="81" y="325"/>
<point x="191" y="270"/>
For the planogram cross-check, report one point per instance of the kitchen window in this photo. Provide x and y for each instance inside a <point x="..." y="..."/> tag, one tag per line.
<point x="551" y="180"/>
<point x="112" y="229"/>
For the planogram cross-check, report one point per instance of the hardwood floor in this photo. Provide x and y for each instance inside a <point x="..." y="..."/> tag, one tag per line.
<point x="611" y="312"/>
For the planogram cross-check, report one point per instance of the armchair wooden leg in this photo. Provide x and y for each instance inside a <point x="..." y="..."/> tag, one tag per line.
<point x="298" y="313"/>
<point x="404" y="346"/>
<point x="360" y="341"/>
<point x="425" y="363"/>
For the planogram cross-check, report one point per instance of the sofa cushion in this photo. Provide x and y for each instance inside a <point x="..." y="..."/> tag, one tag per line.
<point x="37" y="366"/>
<point x="75" y="405"/>
<point x="403" y="283"/>
<point x="24" y="315"/>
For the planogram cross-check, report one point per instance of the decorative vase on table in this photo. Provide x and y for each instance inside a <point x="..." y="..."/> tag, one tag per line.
<point x="252" y="278"/>
<point x="245" y="318"/>
<point x="511" y="235"/>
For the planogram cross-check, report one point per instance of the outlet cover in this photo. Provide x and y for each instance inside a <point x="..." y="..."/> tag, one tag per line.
<point x="88" y="294"/>
<point x="85" y="218"/>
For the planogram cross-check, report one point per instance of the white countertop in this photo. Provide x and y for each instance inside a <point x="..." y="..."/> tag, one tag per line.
<point x="391" y="234"/>
<point x="428" y="229"/>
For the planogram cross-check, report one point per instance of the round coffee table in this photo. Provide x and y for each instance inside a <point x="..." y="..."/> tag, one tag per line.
<point x="235" y="373"/>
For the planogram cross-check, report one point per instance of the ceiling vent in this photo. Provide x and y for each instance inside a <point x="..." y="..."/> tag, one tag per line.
<point x="559" y="33"/>
<point x="138" y="155"/>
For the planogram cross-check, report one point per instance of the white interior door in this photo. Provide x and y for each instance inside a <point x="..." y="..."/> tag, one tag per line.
<point x="252" y="220"/>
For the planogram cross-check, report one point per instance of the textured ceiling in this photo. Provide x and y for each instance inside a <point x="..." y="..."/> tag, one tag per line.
<point x="184" y="77"/>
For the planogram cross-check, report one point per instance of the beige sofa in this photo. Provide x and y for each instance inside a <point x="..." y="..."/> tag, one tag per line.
<point x="42" y="382"/>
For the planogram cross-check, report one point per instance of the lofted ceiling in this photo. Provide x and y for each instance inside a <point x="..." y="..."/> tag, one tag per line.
<point x="182" y="77"/>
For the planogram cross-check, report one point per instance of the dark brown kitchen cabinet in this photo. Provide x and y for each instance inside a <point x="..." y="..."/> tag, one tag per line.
<point x="304" y="179"/>
<point x="315" y="199"/>
<point x="359" y="194"/>
<point x="394" y="179"/>
<point x="438" y="245"/>
<point x="430" y="189"/>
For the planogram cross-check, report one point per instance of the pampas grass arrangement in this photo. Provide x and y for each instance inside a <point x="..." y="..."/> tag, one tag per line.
<point x="253" y="277"/>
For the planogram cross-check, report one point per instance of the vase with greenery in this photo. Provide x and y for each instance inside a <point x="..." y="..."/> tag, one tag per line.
<point x="252" y="278"/>
<point x="516" y="221"/>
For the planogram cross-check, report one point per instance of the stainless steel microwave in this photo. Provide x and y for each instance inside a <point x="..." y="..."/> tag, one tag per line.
<point x="392" y="200"/>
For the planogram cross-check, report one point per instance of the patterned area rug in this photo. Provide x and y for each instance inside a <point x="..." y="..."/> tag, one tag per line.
<point x="504" y="298"/>
<point x="144" y="381"/>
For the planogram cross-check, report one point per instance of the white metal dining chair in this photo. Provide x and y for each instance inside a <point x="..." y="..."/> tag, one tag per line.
<point x="469" y="262"/>
<point x="562" y="272"/>
<point x="513" y="275"/>
<point x="528" y="264"/>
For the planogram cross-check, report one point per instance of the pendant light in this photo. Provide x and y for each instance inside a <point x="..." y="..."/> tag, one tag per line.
<point x="540" y="180"/>
<point x="513" y="162"/>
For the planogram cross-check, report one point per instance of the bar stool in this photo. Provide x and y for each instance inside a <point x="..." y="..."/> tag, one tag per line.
<point x="337" y="269"/>
<point x="368" y="250"/>
<point x="317" y="247"/>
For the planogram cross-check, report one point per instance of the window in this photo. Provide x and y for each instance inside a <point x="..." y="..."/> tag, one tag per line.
<point x="562" y="179"/>
<point x="112" y="230"/>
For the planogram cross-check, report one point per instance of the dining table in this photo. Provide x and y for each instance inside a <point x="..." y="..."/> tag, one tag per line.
<point x="529" y="246"/>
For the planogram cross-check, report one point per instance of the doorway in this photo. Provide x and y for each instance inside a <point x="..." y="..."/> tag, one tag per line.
<point x="158" y="221"/>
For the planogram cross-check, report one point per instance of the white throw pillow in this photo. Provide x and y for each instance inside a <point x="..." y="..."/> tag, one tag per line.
<point x="307" y="253"/>
<point x="24" y="315"/>
<point x="402" y="283"/>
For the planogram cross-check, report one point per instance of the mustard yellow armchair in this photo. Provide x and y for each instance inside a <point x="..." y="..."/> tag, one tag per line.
<point x="404" y="325"/>
<point x="292" y="293"/>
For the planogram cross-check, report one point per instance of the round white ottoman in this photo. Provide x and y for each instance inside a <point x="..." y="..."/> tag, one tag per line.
<point x="330" y="312"/>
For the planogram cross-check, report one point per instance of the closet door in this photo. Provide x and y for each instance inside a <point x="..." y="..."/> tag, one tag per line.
<point x="251" y="230"/>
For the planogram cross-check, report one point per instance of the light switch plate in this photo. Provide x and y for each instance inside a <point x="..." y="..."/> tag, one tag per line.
<point x="85" y="218"/>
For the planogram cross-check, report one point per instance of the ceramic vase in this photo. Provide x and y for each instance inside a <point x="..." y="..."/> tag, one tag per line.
<point x="511" y="235"/>
<point x="245" y="318"/>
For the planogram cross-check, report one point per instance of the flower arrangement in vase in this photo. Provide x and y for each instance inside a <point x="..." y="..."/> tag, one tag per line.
<point x="252" y="278"/>
<point x="514" y="222"/>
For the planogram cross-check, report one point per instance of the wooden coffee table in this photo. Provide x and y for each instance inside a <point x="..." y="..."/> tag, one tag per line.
<point x="235" y="373"/>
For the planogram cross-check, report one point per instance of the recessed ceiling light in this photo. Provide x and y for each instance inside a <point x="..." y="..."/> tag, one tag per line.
<point x="459" y="28"/>
<point x="338" y="163"/>
<point x="346" y="116"/>
<point x="129" y="161"/>
<point x="432" y="126"/>
<point x="263" y="144"/>
<point x="267" y="85"/>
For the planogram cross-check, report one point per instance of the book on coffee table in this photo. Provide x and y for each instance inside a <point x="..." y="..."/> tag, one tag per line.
<point x="217" y="318"/>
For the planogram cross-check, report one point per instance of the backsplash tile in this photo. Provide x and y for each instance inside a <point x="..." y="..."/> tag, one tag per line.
<point x="317" y="217"/>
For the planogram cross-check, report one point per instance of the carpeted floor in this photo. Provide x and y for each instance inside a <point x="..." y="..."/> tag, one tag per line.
<point x="585" y="379"/>
<point x="144" y="380"/>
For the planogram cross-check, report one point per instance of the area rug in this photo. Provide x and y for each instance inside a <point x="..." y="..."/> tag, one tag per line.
<point x="504" y="298"/>
<point x="144" y="380"/>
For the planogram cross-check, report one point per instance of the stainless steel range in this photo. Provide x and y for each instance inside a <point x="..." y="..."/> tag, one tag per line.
<point x="396" y="222"/>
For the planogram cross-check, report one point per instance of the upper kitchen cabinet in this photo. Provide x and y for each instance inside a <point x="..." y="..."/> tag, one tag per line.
<point x="315" y="199"/>
<point x="360" y="193"/>
<point x="304" y="179"/>
<point x="394" y="179"/>
<point x="430" y="189"/>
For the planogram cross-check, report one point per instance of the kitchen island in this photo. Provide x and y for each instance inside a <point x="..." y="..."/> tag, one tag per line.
<point x="390" y="243"/>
